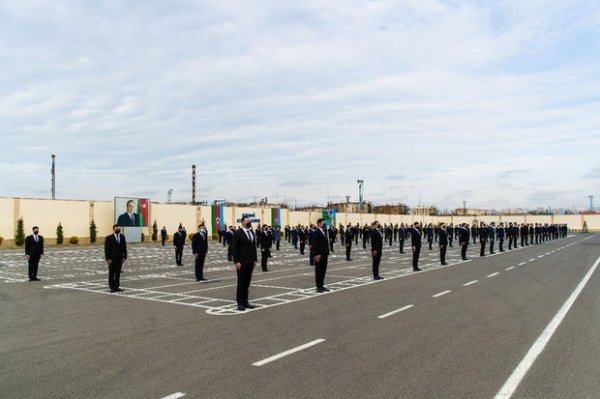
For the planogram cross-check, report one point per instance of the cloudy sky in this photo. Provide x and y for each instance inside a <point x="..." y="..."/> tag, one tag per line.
<point x="492" y="102"/>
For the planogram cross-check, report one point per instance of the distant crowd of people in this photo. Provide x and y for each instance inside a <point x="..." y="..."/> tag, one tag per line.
<point x="243" y="243"/>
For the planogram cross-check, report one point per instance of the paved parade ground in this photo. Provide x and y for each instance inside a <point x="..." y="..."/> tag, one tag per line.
<point x="523" y="324"/>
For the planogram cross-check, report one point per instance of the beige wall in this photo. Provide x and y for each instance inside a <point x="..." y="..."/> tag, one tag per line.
<point x="75" y="217"/>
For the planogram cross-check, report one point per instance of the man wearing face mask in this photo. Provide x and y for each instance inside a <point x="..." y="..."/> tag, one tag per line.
<point x="34" y="249"/>
<point x="115" y="253"/>
<point x="178" y="243"/>
<point x="266" y="243"/>
<point x="320" y="253"/>
<point x="199" y="249"/>
<point x="243" y="250"/>
<point x="376" y="248"/>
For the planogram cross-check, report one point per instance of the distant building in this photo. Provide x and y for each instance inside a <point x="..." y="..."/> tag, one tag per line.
<point x="350" y="207"/>
<point x="424" y="210"/>
<point x="471" y="212"/>
<point x="399" y="209"/>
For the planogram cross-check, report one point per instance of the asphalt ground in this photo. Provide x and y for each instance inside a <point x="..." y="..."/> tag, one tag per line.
<point x="458" y="331"/>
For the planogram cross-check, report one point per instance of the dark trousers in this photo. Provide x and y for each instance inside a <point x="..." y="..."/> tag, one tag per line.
<point x="510" y="242"/>
<point x="522" y="241"/>
<point x="364" y="243"/>
<point x="311" y="257"/>
<point x="416" y="252"/>
<point x="515" y="242"/>
<point x="348" y="249"/>
<point x="430" y="242"/>
<point x="244" y="276"/>
<point x="474" y="239"/>
<point x="34" y="261"/>
<point x="199" y="267"/>
<point x="162" y="239"/>
<point x="295" y="243"/>
<point x="390" y="241"/>
<point x="264" y="256"/>
<point x="443" y="249"/>
<point x="501" y="244"/>
<point x="178" y="255"/>
<point x="450" y="240"/>
<point x="114" y="274"/>
<point x="463" y="250"/>
<point x="482" y="252"/>
<point x="302" y="245"/>
<point x="277" y="243"/>
<point x="402" y="245"/>
<point x="491" y="246"/>
<point x="331" y="246"/>
<point x="356" y="240"/>
<point x="320" y="270"/>
<point x="376" y="262"/>
<point x="531" y="240"/>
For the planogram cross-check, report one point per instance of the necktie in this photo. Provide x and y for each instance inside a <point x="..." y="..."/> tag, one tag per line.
<point x="249" y="235"/>
<point x="118" y="240"/>
<point x="132" y="220"/>
<point x="36" y="238"/>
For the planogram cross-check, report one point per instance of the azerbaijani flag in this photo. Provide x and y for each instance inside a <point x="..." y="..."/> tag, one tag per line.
<point x="143" y="207"/>
<point x="218" y="221"/>
<point x="276" y="217"/>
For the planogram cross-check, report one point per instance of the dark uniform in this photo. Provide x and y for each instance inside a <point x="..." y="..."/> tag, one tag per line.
<point x="376" y="251"/>
<point x="243" y="250"/>
<point x="34" y="249"/>
<point x="115" y="251"/>
<point x="266" y="242"/>
<point x="348" y="240"/>
<point x="199" y="249"/>
<point x="320" y="246"/>
<point x="415" y="242"/>
<point x="178" y="243"/>
<point x="482" y="239"/>
<point x="443" y="243"/>
<point x="463" y="240"/>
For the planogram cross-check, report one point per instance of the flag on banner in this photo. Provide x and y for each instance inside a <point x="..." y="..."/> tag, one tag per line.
<point x="276" y="217"/>
<point x="218" y="221"/>
<point x="329" y="216"/>
<point x="143" y="207"/>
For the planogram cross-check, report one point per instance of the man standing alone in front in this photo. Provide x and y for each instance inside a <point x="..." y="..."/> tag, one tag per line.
<point x="321" y="253"/>
<point x="34" y="249"/>
<point x="243" y="251"/>
<point x="178" y="243"/>
<point x="443" y="242"/>
<point x="115" y="253"/>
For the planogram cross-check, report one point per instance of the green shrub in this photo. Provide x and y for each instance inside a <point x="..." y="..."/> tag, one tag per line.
<point x="154" y="231"/>
<point x="93" y="231"/>
<point x="74" y="240"/>
<point x="20" y="233"/>
<point x="59" y="234"/>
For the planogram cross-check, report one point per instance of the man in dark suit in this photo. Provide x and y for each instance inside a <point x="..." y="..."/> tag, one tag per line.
<point x="302" y="236"/>
<point x="415" y="242"/>
<point x="348" y="240"/>
<point x="376" y="248"/>
<point x="243" y="250"/>
<point x="130" y="218"/>
<point x="482" y="238"/>
<point x="492" y="236"/>
<point x="401" y="237"/>
<point x="266" y="242"/>
<point x="163" y="235"/>
<point x="450" y="231"/>
<point x="34" y="249"/>
<point x="463" y="240"/>
<point x="320" y="251"/>
<point x="200" y="249"/>
<point x="442" y="242"/>
<point x="178" y="243"/>
<point x="115" y="253"/>
<point x="500" y="232"/>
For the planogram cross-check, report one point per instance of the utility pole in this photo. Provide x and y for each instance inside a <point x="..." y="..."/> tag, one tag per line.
<point x="360" y="195"/>
<point x="464" y="208"/>
<point x="169" y="195"/>
<point x="193" y="184"/>
<point x="591" y="197"/>
<point x="53" y="177"/>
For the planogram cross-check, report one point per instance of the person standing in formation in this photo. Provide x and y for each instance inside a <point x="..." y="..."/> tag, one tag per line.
<point x="178" y="243"/>
<point x="415" y="242"/>
<point x="163" y="235"/>
<point x="500" y="235"/>
<point x="401" y="237"/>
<point x="348" y="241"/>
<point x="34" y="249"/>
<point x="200" y="249"/>
<point x="442" y="242"/>
<point x="376" y="248"/>
<point x="482" y="238"/>
<point x="463" y="240"/>
<point x="320" y="250"/>
<point x="266" y="242"/>
<point x="243" y="250"/>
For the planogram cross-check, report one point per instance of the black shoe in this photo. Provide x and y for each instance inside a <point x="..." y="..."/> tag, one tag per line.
<point x="416" y="269"/>
<point x="378" y="278"/>
<point x="119" y="290"/>
<point x="492" y="253"/>
<point x="201" y="279"/>
<point x="325" y="289"/>
<point x="113" y="291"/>
<point x="241" y="308"/>
<point x="320" y="290"/>
<point x="30" y="280"/>
<point x="35" y="279"/>
<point x="249" y="306"/>
<point x="265" y="270"/>
<point x="349" y="260"/>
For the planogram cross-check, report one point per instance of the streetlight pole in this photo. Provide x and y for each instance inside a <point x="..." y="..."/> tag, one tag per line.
<point x="360" y="195"/>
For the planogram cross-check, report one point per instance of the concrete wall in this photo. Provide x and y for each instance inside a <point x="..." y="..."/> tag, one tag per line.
<point x="75" y="217"/>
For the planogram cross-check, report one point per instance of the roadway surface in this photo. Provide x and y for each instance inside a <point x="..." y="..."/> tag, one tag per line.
<point x="459" y="331"/>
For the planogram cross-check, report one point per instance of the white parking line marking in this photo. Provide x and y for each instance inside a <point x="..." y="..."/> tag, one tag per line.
<point x="541" y="256"/>
<point x="511" y="385"/>
<point x="439" y="294"/>
<point x="509" y="268"/>
<point x="288" y="352"/>
<point x="493" y="274"/>
<point x="470" y="283"/>
<point x="175" y="395"/>
<point x="531" y="260"/>
<point x="383" y="316"/>
<point x="522" y="263"/>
